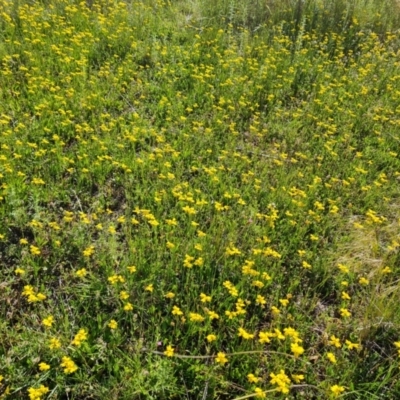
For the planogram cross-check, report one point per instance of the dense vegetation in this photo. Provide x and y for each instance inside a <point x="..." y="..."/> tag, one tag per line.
<point x="199" y="199"/>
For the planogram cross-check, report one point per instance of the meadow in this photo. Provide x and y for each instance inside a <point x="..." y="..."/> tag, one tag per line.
<point x="199" y="199"/>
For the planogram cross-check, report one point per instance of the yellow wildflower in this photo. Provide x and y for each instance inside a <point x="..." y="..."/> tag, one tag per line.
<point x="48" y="321"/>
<point x="36" y="394"/>
<point x="337" y="390"/>
<point x="196" y="317"/>
<point x="68" y="365"/>
<point x="252" y="378"/>
<point x="221" y="358"/>
<point x="296" y="349"/>
<point x="44" y="367"/>
<point x="176" y="310"/>
<point x="260" y="394"/>
<point x="80" y="337"/>
<point x="113" y="324"/>
<point x="331" y="357"/>
<point x="345" y="313"/>
<point x="211" y="338"/>
<point x="81" y="272"/>
<point x="169" y="352"/>
<point x="54" y="343"/>
<point x="204" y="298"/>
<point x="351" y="345"/>
<point x="334" y="341"/>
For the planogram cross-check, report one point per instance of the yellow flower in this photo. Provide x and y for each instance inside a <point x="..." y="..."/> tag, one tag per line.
<point x="351" y="345"/>
<point x="189" y="210"/>
<point x="282" y="380"/>
<point x="278" y="334"/>
<point x="221" y="358"/>
<point x="298" y="378"/>
<point x="34" y="250"/>
<point x="199" y="262"/>
<point x="123" y="295"/>
<point x="260" y="394"/>
<point x="169" y="352"/>
<point x="80" y="337"/>
<point x="213" y="315"/>
<point x="275" y="311"/>
<point x="48" y="321"/>
<point x="260" y="300"/>
<point x="264" y="337"/>
<point x="23" y="241"/>
<point x="345" y="296"/>
<point x="19" y="271"/>
<point x="176" y="311"/>
<point x="292" y="333"/>
<point x="113" y="324"/>
<point x="337" y="390"/>
<point x="204" y="298"/>
<point x="334" y="341"/>
<point x="88" y="251"/>
<point x="43" y="366"/>
<point x="296" y="349"/>
<point x="343" y="268"/>
<point x="363" y="281"/>
<point x="38" y="181"/>
<point x="170" y="295"/>
<point x="128" y="307"/>
<point x="36" y="394"/>
<point x="81" y="272"/>
<point x="40" y="297"/>
<point x="170" y="245"/>
<point x="196" y="317"/>
<point x="331" y="358"/>
<point x="211" y="338"/>
<point x="284" y="302"/>
<point x="131" y="269"/>
<point x="188" y="261"/>
<point x="54" y="343"/>
<point x="244" y="334"/>
<point x="68" y="365"/>
<point x="232" y="250"/>
<point x="345" y="313"/>
<point x="252" y="378"/>
<point x="114" y="279"/>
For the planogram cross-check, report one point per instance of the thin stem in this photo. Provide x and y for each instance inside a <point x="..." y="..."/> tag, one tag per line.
<point x="254" y="394"/>
<point x="248" y="396"/>
<point x="227" y="354"/>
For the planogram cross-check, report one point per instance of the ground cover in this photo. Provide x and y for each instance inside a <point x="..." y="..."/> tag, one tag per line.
<point x="199" y="200"/>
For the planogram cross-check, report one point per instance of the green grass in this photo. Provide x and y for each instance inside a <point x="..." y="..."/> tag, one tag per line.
<point x="175" y="170"/>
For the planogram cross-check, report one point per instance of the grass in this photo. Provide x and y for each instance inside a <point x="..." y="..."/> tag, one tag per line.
<point x="199" y="200"/>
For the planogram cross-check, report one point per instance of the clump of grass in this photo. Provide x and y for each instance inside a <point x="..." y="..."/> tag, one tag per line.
<point x="202" y="212"/>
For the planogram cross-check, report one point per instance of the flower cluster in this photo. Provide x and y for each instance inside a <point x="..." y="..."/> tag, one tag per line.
<point x="213" y="198"/>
